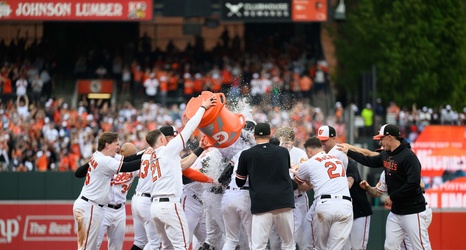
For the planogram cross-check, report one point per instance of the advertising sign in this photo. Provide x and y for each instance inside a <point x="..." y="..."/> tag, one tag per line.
<point x="86" y="86"/>
<point x="257" y="11"/>
<point x="442" y="153"/>
<point x="45" y="225"/>
<point x="275" y="10"/>
<point x="309" y="10"/>
<point x="76" y="10"/>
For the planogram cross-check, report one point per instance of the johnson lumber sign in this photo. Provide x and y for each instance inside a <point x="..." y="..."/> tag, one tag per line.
<point x="76" y="10"/>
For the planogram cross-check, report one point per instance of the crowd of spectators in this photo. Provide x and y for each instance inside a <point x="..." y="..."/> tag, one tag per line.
<point x="44" y="132"/>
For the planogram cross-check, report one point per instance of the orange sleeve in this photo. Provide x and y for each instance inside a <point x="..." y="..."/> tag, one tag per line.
<point x="197" y="175"/>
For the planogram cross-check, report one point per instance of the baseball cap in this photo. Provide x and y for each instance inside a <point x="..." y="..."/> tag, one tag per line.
<point x="262" y="129"/>
<point x="326" y="132"/>
<point x="274" y="141"/>
<point x="387" y="129"/>
<point x="168" y="130"/>
<point x="250" y="125"/>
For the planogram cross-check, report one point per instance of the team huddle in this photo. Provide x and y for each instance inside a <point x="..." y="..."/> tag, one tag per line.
<point x="250" y="195"/>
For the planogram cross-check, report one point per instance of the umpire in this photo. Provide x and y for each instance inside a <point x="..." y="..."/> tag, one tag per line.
<point x="270" y="188"/>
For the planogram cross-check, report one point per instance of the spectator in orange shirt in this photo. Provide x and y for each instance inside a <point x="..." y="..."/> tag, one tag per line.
<point x="163" y="81"/>
<point x="6" y="86"/>
<point x="41" y="162"/>
<point x="64" y="164"/>
<point x="305" y="84"/>
<point x="188" y="87"/>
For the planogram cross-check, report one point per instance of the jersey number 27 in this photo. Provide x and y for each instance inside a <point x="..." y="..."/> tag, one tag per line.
<point x="332" y="169"/>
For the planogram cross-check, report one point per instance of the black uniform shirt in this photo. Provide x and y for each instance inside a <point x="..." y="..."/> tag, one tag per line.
<point x="270" y="184"/>
<point x="361" y="206"/>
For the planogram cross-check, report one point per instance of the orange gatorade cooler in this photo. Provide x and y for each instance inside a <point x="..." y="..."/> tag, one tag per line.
<point x="221" y="126"/>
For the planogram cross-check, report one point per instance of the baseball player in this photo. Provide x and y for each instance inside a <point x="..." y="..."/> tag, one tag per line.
<point x="327" y="135"/>
<point x="167" y="186"/>
<point x="402" y="175"/>
<point x="114" y="222"/>
<point x="88" y="209"/>
<point x="213" y="164"/>
<point x="362" y="210"/>
<point x="287" y="140"/>
<point x="382" y="188"/>
<point x="360" y="230"/>
<point x="194" y="209"/>
<point x="192" y="202"/>
<point x="236" y="210"/>
<point x="145" y="234"/>
<point x="333" y="213"/>
<point x="266" y="168"/>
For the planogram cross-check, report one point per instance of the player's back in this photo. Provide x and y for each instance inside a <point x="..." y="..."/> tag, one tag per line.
<point x="340" y="154"/>
<point x="144" y="181"/>
<point x="297" y="156"/>
<point x="327" y="175"/>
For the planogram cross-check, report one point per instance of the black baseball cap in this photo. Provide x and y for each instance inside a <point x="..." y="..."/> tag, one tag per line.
<point x="168" y="130"/>
<point x="274" y="141"/>
<point x="262" y="129"/>
<point x="249" y="126"/>
<point x="387" y="129"/>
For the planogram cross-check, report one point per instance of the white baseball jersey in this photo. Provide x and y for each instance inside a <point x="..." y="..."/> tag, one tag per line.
<point x="121" y="183"/>
<point x="99" y="174"/>
<point x="234" y="161"/>
<point x="340" y="154"/>
<point x="166" y="162"/>
<point x="326" y="174"/>
<point x="145" y="176"/>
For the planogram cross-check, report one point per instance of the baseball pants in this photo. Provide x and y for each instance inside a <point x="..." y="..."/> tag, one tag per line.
<point x="215" y="229"/>
<point x="412" y="225"/>
<point x="332" y="222"/>
<point x="236" y="210"/>
<point x="262" y="224"/>
<point x="145" y="235"/>
<point x="114" y="224"/>
<point x="170" y="222"/>
<point x="88" y="216"/>
<point x="359" y="235"/>
<point x="406" y="244"/>
<point x="194" y="210"/>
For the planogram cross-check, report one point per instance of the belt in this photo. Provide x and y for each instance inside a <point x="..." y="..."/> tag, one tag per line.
<point x="238" y="188"/>
<point x="118" y="206"/>
<point x="164" y="199"/>
<point x="216" y="190"/>
<point x="86" y="199"/>
<point x="327" y="196"/>
<point x="143" y="194"/>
